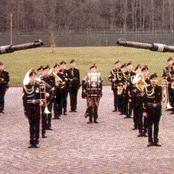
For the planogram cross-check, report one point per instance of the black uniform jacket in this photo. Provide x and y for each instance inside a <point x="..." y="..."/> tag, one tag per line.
<point x="74" y="77"/>
<point x="4" y="81"/>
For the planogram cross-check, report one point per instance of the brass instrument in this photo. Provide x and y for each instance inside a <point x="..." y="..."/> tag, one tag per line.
<point x="58" y="80"/>
<point x="120" y="90"/>
<point x="139" y="82"/>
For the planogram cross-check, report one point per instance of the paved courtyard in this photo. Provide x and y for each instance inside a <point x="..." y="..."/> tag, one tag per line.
<point x="74" y="147"/>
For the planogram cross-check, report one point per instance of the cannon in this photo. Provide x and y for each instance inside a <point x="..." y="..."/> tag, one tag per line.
<point x="149" y="46"/>
<point x="12" y="48"/>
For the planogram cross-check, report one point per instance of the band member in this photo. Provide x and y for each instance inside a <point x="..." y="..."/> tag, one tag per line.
<point x="56" y="96"/>
<point x="63" y="74"/>
<point x="167" y="70"/>
<point x="92" y="91"/>
<point x="170" y="90"/>
<point x="130" y="74"/>
<point x="121" y="89"/>
<point x="152" y="109"/>
<point x="138" y="103"/>
<point x="43" y="116"/>
<point x="74" y="84"/>
<point x="135" y="102"/>
<point x="115" y="77"/>
<point x="50" y="81"/>
<point x="32" y="108"/>
<point x="4" y="85"/>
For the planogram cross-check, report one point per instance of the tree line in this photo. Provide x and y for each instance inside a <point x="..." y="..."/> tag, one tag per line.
<point x="87" y="15"/>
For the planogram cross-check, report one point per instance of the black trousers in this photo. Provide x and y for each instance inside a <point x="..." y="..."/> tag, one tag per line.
<point x="59" y="103"/>
<point x="34" y="123"/>
<point x="55" y="108"/>
<point x="73" y="98"/>
<point x="49" y="116"/>
<point x="64" y="101"/>
<point x="44" y="122"/>
<point x="115" y="99"/>
<point x="2" y="101"/>
<point x="154" y="115"/>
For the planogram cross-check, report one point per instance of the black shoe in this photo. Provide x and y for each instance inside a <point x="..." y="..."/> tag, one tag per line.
<point x="114" y="110"/>
<point x="150" y="144"/>
<point x="157" y="144"/>
<point x="140" y="135"/>
<point x="96" y="122"/>
<point x="135" y="128"/>
<point x="65" y="113"/>
<point x="89" y="122"/>
<point x="31" y="146"/>
<point x="127" y="117"/>
<point x="44" y="136"/>
<point x="71" y="111"/>
<point x="144" y="135"/>
<point x="36" y="146"/>
<point x="49" y="129"/>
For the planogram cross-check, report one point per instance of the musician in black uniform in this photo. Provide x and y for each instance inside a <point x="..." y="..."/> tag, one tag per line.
<point x="64" y="75"/>
<point x="56" y="97"/>
<point x="50" y="81"/>
<point x="32" y="108"/>
<point x="167" y="69"/>
<point x="92" y="92"/>
<point x="170" y="92"/>
<point x="135" y="101"/>
<point x="152" y="109"/>
<point x="74" y="84"/>
<point x="4" y="85"/>
<point x="130" y="74"/>
<point x="40" y="75"/>
<point x="115" y="77"/>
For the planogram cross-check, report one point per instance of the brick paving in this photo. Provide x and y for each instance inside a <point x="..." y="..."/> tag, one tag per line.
<point x="74" y="147"/>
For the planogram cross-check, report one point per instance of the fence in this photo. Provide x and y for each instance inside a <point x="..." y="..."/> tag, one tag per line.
<point x="69" y="39"/>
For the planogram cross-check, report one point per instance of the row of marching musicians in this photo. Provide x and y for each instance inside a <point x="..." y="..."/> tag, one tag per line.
<point x="44" y="91"/>
<point x="139" y="95"/>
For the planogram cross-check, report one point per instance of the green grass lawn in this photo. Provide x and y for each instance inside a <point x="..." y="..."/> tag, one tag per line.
<point x="18" y="63"/>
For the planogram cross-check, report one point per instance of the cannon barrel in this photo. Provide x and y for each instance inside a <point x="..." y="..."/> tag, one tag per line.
<point x="149" y="46"/>
<point x="11" y="48"/>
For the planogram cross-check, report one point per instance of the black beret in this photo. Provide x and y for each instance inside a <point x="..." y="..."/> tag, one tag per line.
<point x="169" y="59"/>
<point x="32" y="72"/>
<point x="47" y="67"/>
<point x="145" y="68"/>
<point x="117" y="62"/>
<point x="72" y="61"/>
<point x="63" y="63"/>
<point x="41" y="67"/>
<point x="93" y="66"/>
<point x="130" y="63"/>
<point x="138" y="66"/>
<point x="56" y="65"/>
<point x="124" y="65"/>
<point x="153" y="76"/>
<point x="1" y="63"/>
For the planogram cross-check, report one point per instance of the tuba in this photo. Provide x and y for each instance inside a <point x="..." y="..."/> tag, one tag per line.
<point x="139" y="82"/>
<point x="57" y="78"/>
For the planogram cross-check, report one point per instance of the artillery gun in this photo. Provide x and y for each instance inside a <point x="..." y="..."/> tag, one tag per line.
<point x="12" y="48"/>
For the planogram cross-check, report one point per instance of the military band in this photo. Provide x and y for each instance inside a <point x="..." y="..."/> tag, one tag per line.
<point x="135" y="94"/>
